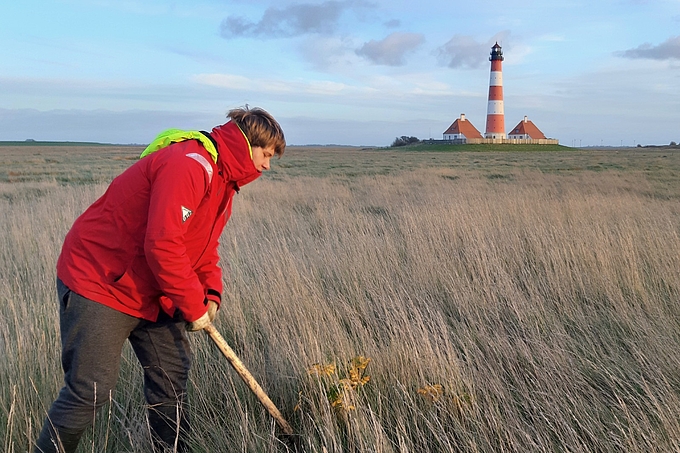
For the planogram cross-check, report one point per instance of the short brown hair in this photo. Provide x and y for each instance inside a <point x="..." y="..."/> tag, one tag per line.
<point x="260" y="128"/>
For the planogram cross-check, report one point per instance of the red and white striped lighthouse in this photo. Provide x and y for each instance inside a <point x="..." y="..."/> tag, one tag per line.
<point x="495" y="114"/>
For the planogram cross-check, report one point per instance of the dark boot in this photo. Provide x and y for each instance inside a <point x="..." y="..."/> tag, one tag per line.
<point x="56" y="440"/>
<point x="168" y="428"/>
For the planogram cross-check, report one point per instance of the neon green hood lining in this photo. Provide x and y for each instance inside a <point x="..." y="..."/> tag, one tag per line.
<point x="170" y="136"/>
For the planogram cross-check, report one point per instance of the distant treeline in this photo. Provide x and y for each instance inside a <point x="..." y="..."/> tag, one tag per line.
<point x="404" y="140"/>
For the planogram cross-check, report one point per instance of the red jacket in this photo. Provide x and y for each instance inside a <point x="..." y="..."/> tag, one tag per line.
<point x="150" y="241"/>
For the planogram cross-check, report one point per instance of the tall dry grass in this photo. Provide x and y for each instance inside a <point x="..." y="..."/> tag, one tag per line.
<point x="546" y="308"/>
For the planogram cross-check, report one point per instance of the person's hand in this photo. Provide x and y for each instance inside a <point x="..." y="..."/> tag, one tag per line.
<point x="212" y="309"/>
<point x="202" y="322"/>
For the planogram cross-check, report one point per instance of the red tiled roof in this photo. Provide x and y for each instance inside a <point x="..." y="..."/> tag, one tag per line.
<point x="465" y="127"/>
<point x="526" y="127"/>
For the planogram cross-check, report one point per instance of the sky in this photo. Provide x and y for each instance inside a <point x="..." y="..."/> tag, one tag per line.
<point x="347" y="72"/>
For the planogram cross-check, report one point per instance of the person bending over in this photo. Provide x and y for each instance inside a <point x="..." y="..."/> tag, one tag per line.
<point x="141" y="264"/>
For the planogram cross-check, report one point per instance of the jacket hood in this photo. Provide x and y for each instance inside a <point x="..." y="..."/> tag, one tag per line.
<point x="234" y="154"/>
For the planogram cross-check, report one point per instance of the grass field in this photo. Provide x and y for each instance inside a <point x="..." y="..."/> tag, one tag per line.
<point x="508" y="302"/>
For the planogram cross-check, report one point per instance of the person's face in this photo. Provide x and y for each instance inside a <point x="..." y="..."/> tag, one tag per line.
<point x="262" y="156"/>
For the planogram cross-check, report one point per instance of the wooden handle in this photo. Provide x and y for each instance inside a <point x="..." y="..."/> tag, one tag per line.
<point x="248" y="378"/>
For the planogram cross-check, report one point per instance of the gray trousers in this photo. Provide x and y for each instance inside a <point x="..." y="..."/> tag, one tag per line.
<point x="92" y="338"/>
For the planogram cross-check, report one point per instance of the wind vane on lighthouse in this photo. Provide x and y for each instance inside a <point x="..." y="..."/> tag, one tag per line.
<point x="495" y="114"/>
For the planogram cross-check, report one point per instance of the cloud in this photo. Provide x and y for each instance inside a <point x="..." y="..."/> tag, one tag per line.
<point x="394" y="23"/>
<point x="464" y="52"/>
<point x="391" y="50"/>
<point x="330" y="53"/>
<point x="294" y="20"/>
<point x="276" y="86"/>
<point x="667" y="50"/>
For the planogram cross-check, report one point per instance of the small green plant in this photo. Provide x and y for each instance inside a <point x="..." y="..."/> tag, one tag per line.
<point x="431" y="393"/>
<point x="342" y="389"/>
<point x="458" y="402"/>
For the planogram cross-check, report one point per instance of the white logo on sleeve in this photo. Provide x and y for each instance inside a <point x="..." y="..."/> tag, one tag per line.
<point x="186" y="213"/>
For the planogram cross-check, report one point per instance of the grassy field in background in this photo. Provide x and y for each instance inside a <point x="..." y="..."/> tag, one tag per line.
<point x="508" y="301"/>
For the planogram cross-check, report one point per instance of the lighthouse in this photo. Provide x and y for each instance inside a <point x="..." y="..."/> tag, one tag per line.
<point x="495" y="114"/>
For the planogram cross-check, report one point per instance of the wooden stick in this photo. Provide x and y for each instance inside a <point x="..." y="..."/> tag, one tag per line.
<point x="248" y="378"/>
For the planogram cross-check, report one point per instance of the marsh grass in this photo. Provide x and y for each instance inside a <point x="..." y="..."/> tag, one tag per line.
<point x="64" y="164"/>
<point x="543" y="304"/>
